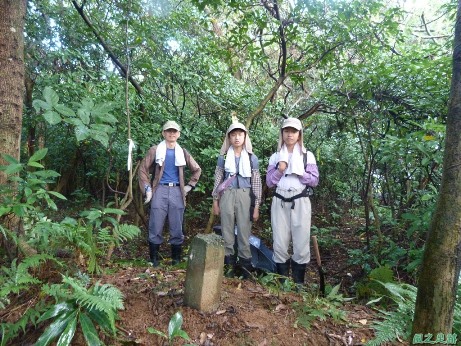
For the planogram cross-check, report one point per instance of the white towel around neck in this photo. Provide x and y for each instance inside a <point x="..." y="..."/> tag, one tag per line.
<point x="160" y="154"/>
<point x="244" y="168"/>
<point x="295" y="162"/>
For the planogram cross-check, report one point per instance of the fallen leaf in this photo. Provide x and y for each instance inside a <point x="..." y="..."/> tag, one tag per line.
<point x="280" y="307"/>
<point x="202" y="338"/>
<point x="363" y="321"/>
<point x="220" y="312"/>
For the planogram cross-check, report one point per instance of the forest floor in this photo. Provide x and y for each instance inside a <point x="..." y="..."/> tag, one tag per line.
<point x="249" y="312"/>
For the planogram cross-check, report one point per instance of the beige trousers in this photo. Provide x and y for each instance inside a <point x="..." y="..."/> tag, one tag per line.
<point x="235" y="208"/>
<point x="291" y="225"/>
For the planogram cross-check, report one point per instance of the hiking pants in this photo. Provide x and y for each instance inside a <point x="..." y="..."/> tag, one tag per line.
<point x="235" y="206"/>
<point x="291" y="225"/>
<point x="167" y="201"/>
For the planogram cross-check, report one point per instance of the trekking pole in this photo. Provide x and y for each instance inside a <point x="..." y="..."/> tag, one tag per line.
<point x="319" y="265"/>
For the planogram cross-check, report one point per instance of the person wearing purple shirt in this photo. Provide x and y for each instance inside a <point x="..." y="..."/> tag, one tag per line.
<point x="293" y="171"/>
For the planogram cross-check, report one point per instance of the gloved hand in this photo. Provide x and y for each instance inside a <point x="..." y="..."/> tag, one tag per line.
<point x="187" y="189"/>
<point x="148" y="194"/>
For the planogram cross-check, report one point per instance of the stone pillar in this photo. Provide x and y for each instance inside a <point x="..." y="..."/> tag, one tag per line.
<point x="204" y="274"/>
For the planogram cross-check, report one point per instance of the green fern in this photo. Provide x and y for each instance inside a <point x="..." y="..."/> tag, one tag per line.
<point x="17" y="277"/>
<point x="395" y="324"/>
<point x="12" y="330"/>
<point x="78" y="305"/>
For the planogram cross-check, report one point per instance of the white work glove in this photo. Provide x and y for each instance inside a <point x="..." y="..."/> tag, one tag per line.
<point x="187" y="189"/>
<point x="148" y="194"/>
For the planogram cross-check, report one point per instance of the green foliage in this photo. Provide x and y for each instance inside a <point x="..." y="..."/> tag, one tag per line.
<point x="10" y="331"/>
<point x="174" y="329"/>
<point x="315" y="307"/>
<point x="76" y="305"/>
<point x="372" y="285"/>
<point x="18" y="277"/>
<point x="395" y="324"/>
<point x="32" y="194"/>
<point x="89" y="121"/>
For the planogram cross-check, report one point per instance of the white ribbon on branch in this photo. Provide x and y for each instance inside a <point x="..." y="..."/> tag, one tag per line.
<point x="131" y="146"/>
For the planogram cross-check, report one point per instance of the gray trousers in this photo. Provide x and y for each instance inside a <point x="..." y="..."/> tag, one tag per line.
<point x="166" y="202"/>
<point x="235" y="206"/>
<point x="291" y="225"/>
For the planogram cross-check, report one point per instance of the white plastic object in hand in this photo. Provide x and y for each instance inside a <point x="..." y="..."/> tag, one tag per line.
<point x="148" y="196"/>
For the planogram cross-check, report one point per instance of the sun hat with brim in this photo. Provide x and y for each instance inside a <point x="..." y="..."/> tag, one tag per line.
<point x="292" y="122"/>
<point x="170" y="124"/>
<point x="226" y="144"/>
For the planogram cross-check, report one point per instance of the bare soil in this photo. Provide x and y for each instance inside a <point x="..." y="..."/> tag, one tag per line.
<point x="249" y="313"/>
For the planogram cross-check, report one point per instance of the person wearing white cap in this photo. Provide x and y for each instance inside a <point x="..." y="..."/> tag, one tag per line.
<point x="167" y="191"/>
<point x="237" y="181"/>
<point x="293" y="171"/>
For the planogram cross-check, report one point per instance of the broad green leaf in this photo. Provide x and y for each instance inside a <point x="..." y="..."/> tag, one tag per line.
<point x="89" y="331"/>
<point x="40" y="104"/>
<point x="47" y="174"/>
<point x="101" y="137"/>
<point x="64" y="110"/>
<point x="38" y="155"/>
<point x="182" y="334"/>
<point x="9" y="159"/>
<point x="109" y="118"/>
<point x="102" y="108"/>
<point x="84" y="115"/>
<point x="35" y="164"/>
<point x="82" y="132"/>
<point x="156" y="332"/>
<point x="56" y="310"/>
<point x="74" y="121"/>
<point x="68" y="334"/>
<point x="103" y="320"/>
<point x="51" y="97"/>
<point x="57" y="194"/>
<point x="4" y="210"/>
<point x="114" y="211"/>
<point x="175" y="324"/>
<point x="56" y="328"/>
<point x="94" y="214"/>
<point x="52" y="118"/>
<point x="27" y="191"/>
<point x="13" y="168"/>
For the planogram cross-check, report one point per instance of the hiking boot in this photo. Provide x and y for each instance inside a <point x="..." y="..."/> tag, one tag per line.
<point x="176" y="253"/>
<point x="229" y="266"/>
<point x="283" y="269"/>
<point x="153" y="254"/>
<point x="246" y="267"/>
<point x="297" y="272"/>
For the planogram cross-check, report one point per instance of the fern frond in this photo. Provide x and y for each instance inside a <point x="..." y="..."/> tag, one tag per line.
<point x="17" y="276"/>
<point x="395" y="324"/>
<point x="127" y="232"/>
<point x="105" y="297"/>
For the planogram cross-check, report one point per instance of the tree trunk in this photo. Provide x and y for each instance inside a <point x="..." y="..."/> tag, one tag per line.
<point x="12" y="17"/>
<point x="441" y="262"/>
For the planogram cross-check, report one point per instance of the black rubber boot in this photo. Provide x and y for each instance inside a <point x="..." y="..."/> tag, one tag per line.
<point x="283" y="269"/>
<point x="153" y="254"/>
<point x="176" y="253"/>
<point x="229" y="266"/>
<point x="298" y="271"/>
<point x="246" y="267"/>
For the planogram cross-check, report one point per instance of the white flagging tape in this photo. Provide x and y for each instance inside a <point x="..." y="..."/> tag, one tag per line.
<point x="131" y="146"/>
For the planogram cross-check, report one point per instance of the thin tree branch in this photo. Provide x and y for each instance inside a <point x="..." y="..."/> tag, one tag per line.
<point x="106" y="47"/>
